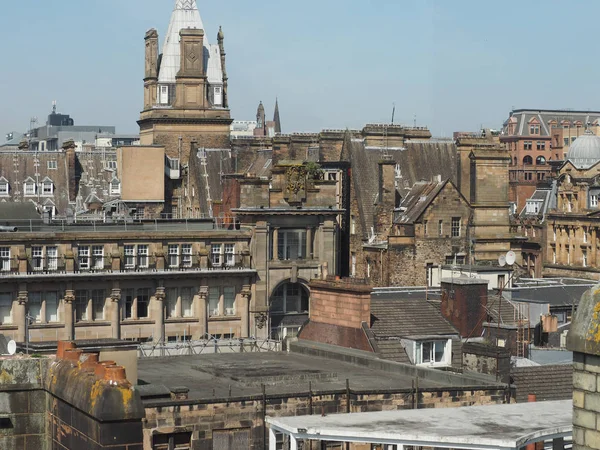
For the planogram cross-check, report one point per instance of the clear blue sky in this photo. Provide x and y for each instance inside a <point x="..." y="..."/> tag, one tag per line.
<point x="455" y="64"/>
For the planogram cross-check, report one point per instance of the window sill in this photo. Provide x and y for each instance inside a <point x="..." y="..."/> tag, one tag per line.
<point x="9" y="326"/>
<point x="144" y="321"/>
<point x="181" y="320"/>
<point x="92" y="323"/>
<point x="39" y="325"/>
<point x="223" y="318"/>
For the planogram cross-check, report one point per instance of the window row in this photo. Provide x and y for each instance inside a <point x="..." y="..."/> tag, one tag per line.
<point x="455" y="227"/>
<point x="528" y="160"/>
<point x="539" y="145"/>
<point x="135" y="256"/>
<point x="31" y="188"/>
<point x="90" y="304"/>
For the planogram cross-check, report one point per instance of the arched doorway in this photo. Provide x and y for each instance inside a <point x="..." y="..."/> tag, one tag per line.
<point x="288" y="309"/>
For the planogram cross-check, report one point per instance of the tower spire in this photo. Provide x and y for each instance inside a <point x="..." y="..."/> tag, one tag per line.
<point x="276" y="117"/>
<point x="185" y="4"/>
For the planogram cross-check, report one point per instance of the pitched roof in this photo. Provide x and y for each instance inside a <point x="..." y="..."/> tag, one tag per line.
<point x="546" y="382"/>
<point x="186" y="15"/>
<point x="18" y="211"/>
<point x="417" y="160"/>
<point x="417" y="200"/>
<point x="523" y="117"/>
<point x="408" y="318"/>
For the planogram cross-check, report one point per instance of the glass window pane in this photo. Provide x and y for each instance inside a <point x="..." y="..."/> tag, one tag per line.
<point x="98" y="301"/>
<point x="127" y="299"/>
<point x="143" y="297"/>
<point x="34" y="306"/>
<point x="439" y="351"/>
<point x="229" y="300"/>
<point x="81" y="304"/>
<point x="51" y="306"/>
<point x="5" y="308"/>
<point x="213" y="301"/>
<point x="171" y="302"/>
<point x="427" y="351"/>
<point x="187" y="302"/>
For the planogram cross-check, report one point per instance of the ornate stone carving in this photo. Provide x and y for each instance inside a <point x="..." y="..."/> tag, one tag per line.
<point x="260" y="318"/>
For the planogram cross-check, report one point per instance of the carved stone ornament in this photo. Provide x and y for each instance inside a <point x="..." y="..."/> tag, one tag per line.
<point x="260" y="319"/>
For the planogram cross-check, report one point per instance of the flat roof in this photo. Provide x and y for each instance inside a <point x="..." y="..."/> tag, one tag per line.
<point x="241" y="375"/>
<point x="509" y="426"/>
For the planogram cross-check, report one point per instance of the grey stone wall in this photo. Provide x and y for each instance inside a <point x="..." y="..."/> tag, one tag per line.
<point x="586" y="401"/>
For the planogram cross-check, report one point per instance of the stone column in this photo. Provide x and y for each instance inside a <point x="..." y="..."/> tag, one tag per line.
<point x="203" y="310"/>
<point x="243" y="308"/>
<point x="309" y="243"/>
<point x="115" y="312"/>
<point x="68" y="301"/>
<point x="275" y="244"/>
<point x="19" y="315"/>
<point x="159" y="315"/>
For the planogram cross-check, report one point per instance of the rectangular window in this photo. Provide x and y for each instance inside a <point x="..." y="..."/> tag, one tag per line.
<point x="541" y="145"/>
<point x="353" y="270"/>
<point x="37" y="258"/>
<point x="229" y="300"/>
<point x="566" y="141"/>
<point x="98" y="257"/>
<point x="3" y="189"/>
<point x="527" y="145"/>
<point x="98" y="301"/>
<point x="291" y="244"/>
<point x="425" y="223"/>
<point x="5" y="308"/>
<point x="528" y="176"/>
<point x="352" y="225"/>
<point x="30" y="188"/>
<point x="127" y="298"/>
<point x="187" y="302"/>
<point x="456" y="226"/>
<point x="34" y="306"/>
<point x="534" y="129"/>
<point x="171" y="302"/>
<point x="186" y="255"/>
<point x="143" y="299"/>
<point x="5" y="259"/>
<point x="440" y="227"/>
<point x="584" y="259"/>
<point x="142" y="253"/>
<point x="216" y="255"/>
<point x="129" y="256"/>
<point x="585" y="235"/>
<point x="501" y="281"/>
<point x="431" y="352"/>
<point x="47" y="188"/>
<point x="173" y="256"/>
<point x="230" y="254"/>
<point x="52" y="258"/>
<point x="594" y="201"/>
<point x="83" y="257"/>
<point x="82" y="300"/>
<point x="214" y="295"/>
<point x="51" y="301"/>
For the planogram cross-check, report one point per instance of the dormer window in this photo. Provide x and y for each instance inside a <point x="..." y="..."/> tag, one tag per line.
<point x="534" y="129"/>
<point x="115" y="187"/>
<point x="29" y="187"/>
<point x="4" y="187"/>
<point x="532" y="207"/>
<point x="218" y="96"/>
<point x="47" y="187"/>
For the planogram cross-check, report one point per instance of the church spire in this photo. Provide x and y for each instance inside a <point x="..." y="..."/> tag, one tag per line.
<point x="276" y="117"/>
<point x="185" y="4"/>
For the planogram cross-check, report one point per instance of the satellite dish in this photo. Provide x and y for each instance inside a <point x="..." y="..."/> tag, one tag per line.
<point x="510" y="258"/>
<point x="12" y="347"/>
<point x="502" y="260"/>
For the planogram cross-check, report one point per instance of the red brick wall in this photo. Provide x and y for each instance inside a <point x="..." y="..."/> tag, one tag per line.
<point x="340" y="303"/>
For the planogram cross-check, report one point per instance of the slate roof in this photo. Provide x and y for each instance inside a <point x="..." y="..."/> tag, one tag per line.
<point x="420" y="160"/>
<point x="547" y="199"/>
<point x="546" y="382"/>
<point x="523" y="116"/>
<point x="18" y="211"/>
<point x="558" y="294"/>
<point x="504" y="310"/>
<point x="408" y="318"/>
<point x="417" y="200"/>
<point x="206" y="168"/>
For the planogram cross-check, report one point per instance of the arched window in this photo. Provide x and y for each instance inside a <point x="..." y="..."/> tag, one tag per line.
<point x="540" y="160"/>
<point x="528" y="160"/>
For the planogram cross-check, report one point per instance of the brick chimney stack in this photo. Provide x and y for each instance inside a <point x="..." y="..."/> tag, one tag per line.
<point x="464" y="302"/>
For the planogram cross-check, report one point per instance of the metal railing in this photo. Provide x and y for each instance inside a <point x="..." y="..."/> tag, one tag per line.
<point x="209" y="344"/>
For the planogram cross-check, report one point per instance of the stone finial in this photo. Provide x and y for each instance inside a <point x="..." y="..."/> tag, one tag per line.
<point x="220" y="34"/>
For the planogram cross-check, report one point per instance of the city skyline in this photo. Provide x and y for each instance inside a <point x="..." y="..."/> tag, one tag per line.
<point x="341" y="68"/>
